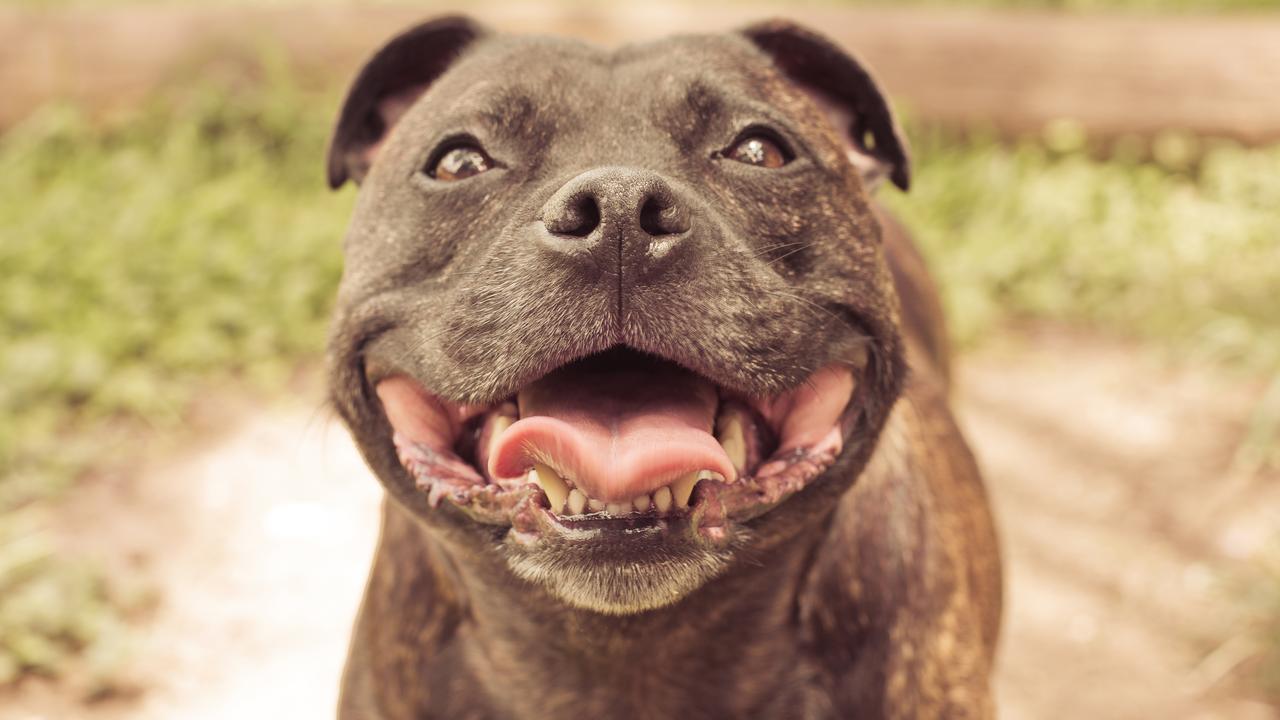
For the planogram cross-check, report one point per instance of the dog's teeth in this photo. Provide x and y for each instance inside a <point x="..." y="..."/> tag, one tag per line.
<point x="730" y="433"/>
<point x="595" y="505"/>
<point x="617" y="508"/>
<point x="662" y="499"/>
<point x="640" y="503"/>
<point x="683" y="488"/>
<point x="551" y="483"/>
<point x="577" y="502"/>
<point x="500" y="425"/>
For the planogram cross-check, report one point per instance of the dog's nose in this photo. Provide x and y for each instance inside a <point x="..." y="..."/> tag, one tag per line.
<point x="633" y="207"/>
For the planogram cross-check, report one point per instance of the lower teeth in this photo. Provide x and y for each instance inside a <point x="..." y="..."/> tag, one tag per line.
<point x="567" y="501"/>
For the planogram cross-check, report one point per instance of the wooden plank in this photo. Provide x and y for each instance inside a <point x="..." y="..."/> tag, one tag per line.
<point x="1013" y="72"/>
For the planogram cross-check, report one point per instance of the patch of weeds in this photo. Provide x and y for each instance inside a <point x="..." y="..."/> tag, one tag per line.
<point x="58" y="611"/>
<point x="1183" y="254"/>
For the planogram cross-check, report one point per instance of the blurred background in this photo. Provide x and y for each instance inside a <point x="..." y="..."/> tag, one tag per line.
<point x="184" y="530"/>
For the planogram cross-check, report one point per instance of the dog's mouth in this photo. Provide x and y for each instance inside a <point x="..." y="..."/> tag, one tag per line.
<point x="619" y="439"/>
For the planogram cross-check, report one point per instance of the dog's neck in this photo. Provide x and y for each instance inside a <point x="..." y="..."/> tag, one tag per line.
<point x="729" y="646"/>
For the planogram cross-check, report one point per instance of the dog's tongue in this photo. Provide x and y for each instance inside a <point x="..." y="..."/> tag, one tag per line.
<point x="616" y="431"/>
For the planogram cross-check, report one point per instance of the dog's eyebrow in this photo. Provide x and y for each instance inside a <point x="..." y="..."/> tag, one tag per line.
<point x="685" y="107"/>
<point x="703" y="99"/>
<point x="510" y="111"/>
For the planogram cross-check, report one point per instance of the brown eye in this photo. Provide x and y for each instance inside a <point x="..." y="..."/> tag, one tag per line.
<point x="461" y="163"/>
<point x="759" y="150"/>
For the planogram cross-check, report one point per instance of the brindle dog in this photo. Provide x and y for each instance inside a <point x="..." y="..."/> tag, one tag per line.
<point x="658" y="395"/>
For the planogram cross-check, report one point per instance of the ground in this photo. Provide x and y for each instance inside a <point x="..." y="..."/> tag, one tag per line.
<point x="1108" y="470"/>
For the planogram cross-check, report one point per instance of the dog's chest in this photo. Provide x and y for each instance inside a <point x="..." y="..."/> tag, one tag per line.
<point x="725" y="677"/>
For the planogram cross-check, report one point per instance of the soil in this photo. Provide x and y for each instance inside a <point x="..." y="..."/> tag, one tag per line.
<point x="1123" y="528"/>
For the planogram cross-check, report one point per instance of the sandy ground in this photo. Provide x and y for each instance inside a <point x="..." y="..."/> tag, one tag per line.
<point x="1121" y="528"/>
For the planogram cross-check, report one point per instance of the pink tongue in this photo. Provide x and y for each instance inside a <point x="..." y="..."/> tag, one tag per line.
<point x="615" y="432"/>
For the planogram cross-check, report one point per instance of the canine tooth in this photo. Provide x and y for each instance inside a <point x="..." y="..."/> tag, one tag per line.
<point x="683" y="488"/>
<point x="577" y="502"/>
<point x="595" y="505"/>
<point x="551" y="483"/>
<point x="617" y="508"/>
<point x="733" y="439"/>
<point x="662" y="499"/>
<point x="500" y="425"/>
<point x="640" y="503"/>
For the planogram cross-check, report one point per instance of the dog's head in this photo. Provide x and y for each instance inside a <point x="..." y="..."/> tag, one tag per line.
<point x="619" y="318"/>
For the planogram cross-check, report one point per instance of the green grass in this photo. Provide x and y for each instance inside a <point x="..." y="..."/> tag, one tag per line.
<point x="1175" y="241"/>
<point x="195" y="241"/>
<point x="1183" y="250"/>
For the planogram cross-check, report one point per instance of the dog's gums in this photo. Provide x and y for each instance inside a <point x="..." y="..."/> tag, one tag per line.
<point x="619" y="438"/>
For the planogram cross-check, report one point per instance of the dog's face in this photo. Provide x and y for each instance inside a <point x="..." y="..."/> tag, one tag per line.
<point x="618" y="318"/>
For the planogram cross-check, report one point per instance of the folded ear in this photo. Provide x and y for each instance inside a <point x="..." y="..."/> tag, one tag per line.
<point x="387" y="86"/>
<point x="839" y="84"/>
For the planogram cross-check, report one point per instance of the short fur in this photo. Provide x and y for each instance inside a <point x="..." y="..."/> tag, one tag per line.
<point x="874" y="592"/>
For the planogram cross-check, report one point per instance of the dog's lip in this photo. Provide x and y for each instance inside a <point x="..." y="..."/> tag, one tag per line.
<point x="809" y="424"/>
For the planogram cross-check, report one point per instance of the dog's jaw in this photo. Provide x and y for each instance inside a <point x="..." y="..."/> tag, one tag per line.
<point x="600" y="543"/>
<point x="671" y="530"/>
<point x="621" y="442"/>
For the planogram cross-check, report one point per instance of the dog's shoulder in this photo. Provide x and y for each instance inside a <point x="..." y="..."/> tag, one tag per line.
<point x="904" y="599"/>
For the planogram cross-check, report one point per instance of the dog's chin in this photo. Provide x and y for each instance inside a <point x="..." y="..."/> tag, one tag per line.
<point x="615" y="580"/>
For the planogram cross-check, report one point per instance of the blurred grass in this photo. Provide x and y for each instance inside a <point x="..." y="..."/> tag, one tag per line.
<point x="142" y="257"/>
<point x="190" y="241"/>
<point x="1177" y="242"/>
<point x="1174" y="240"/>
<point x="195" y="240"/>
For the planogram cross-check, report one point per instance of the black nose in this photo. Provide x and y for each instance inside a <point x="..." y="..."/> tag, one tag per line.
<point x="633" y="206"/>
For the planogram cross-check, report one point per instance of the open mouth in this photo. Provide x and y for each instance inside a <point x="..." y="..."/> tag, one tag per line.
<point x="619" y="438"/>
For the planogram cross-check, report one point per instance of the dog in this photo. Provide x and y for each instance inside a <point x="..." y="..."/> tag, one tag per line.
<point x="657" y="393"/>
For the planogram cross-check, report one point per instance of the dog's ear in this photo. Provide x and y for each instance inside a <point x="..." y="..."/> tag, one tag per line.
<point x="845" y="91"/>
<point x="387" y="86"/>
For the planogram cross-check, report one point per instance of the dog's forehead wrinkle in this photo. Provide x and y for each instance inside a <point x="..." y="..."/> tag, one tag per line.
<point x="687" y="75"/>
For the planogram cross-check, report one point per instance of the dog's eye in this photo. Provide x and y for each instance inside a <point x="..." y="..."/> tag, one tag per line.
<point x="759" y="150"/>
<point x="461" y="163"/>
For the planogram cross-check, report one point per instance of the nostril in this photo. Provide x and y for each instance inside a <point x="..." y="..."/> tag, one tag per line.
<point x="577" y="218"/>
<point x="658" y="216"/>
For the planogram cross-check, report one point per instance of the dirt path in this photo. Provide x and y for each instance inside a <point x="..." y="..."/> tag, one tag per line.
<point x="1121" y="528"/>
<point x="1107" y="473"/>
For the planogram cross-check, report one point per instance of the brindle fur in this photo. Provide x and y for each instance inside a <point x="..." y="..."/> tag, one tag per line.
<point x="878" y="598"/>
